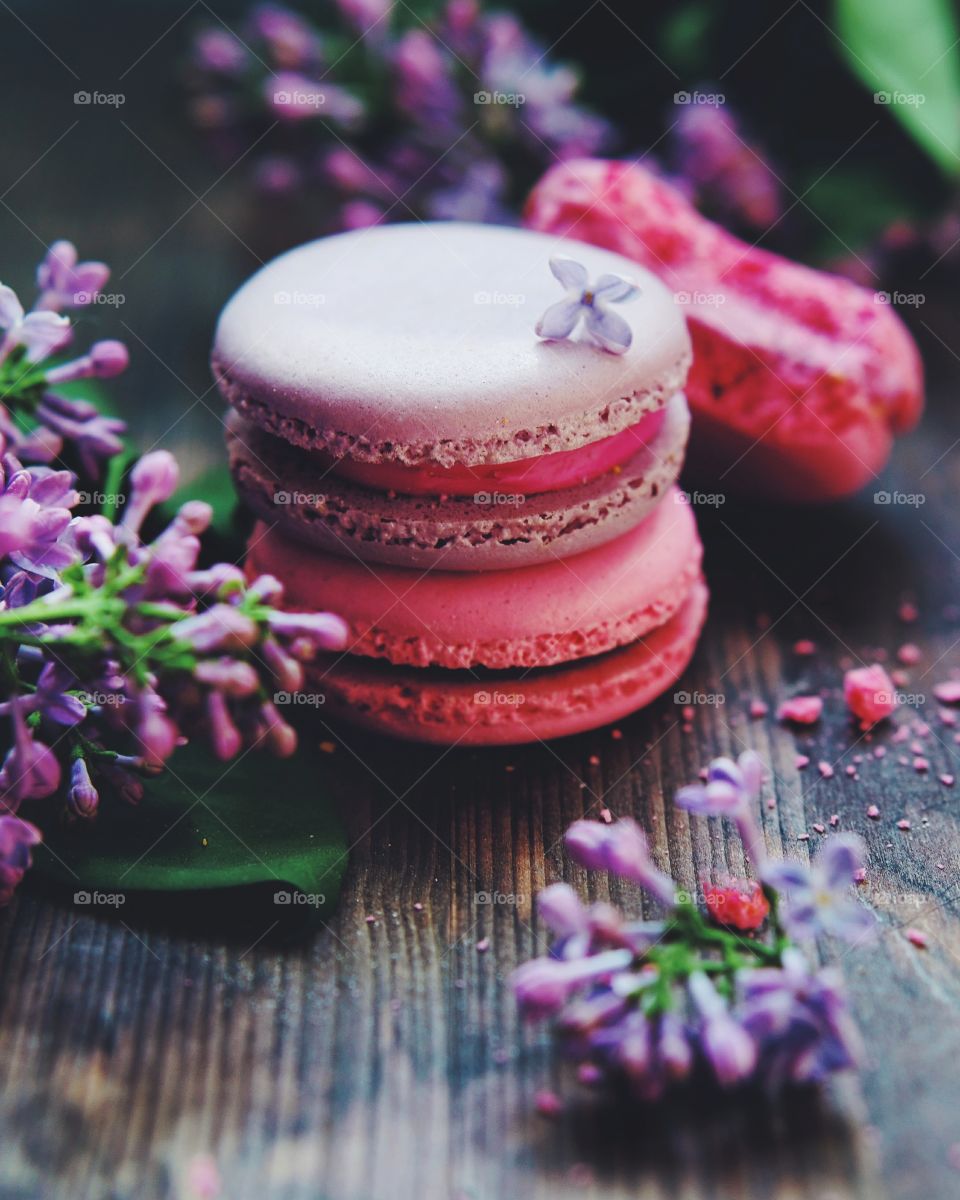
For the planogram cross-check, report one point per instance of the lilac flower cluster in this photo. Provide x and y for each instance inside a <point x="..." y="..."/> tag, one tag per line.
<point x="112" y="646"/>
<point x="37" y="420"/>
<point x="454" y="118"/>
<point x="651" y="1002"/>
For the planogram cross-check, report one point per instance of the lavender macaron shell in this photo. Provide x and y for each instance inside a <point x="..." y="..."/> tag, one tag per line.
<point x="416" y="344"/>
<point x="283" y="486"/>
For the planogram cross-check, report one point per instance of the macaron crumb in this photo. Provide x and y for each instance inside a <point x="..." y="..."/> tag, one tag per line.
<point x="758" y="708"/>
<point x="483" y="945"/>
<point x="826" y="771"/>
<point x="328" y="747"/>
<point x="851" y="770"/>
<point x="873" y="812"/>
<point x="948" y="691"/>
<point x="909" y="654"/>
<point x="417" y="907"/>
<point x="908" y="612"/>
<point x="548" y="1104"/>
<point x="879" y="752"/>
<point x="819" y="828"/>
<point x="801" y="761"/>
<point x="860" y="875"/>
<point x="616" y="735"/>
<point x="834" y="820"/>
<point x="904" y="824"/>
<point x="804" y="647"/>
<point x="947" y="780"/>
<point x="606" y="816"/>
<point x="921" y="764"/>
<point x="803" y="837"/>
<point x="801" y="710"/>
<point x="916" y="937"/>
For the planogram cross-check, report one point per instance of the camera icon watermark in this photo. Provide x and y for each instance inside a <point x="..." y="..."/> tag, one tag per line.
<point x="502" y="699"/>
<point x="900" y="499"/>
<point x="700" y="299"/>
<point x="506" y="99"/>
<point x="700" y="499"/>
<point x="689" y="699"/>
<point x="492" y="499"/>
<point x="294" y="898"/>
<point x="900" y="299"/>
<point x="99" y="899"/>
<point x="708" y="99"/>
<point x="300" y="299"/>
<point x="102" y="499"/>
<point x="300" y="699"/>
<point x="508" y="299"/>
<point x="299" y="98"/>
<point x="100" y="99"/>
<point x="308" y="498"/>
<point x="506" y="898"/>
<point x="907" y="99"/>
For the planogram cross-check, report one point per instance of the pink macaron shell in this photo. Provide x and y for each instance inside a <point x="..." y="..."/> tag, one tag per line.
<point x="514" y="707"/>
<point x="489" y="532"/>
<point x="415" y="343"/>
<point x="527" y="617"/>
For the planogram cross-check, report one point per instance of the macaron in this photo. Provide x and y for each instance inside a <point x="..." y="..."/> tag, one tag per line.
<point x="505" y="656"/>
<point x="801" y="380"/>
<point x="393" y="401"/>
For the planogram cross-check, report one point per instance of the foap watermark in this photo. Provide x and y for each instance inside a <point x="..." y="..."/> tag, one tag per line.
<point x="689" y="699"/>
<point x="900" y="299"/>
<point x="102" y="699"/>
<point x="504" y="699"/>
<point x="104" y="299"/>
<point x="300" y="299"/>
<point x="102" y="499"/>
<point x="700" y="299"/>
<point x="299" y="498"/>
<point x="100" y="99"/>
<point x="293" y="898"/>
<point x="299" y="98"/>
<point x="700" y="499"/>
<point x="505" y="99"/>
<point x="506" y="898"/>
<point x="903" y="699"/>
<point x="708" y="99"/>
<point x="99" y="899"/>
<point x="906" y="99"/>
<point x="300" y="699"/>
<point x="492" y="499"/>
<point x="900" y="499"/>
<point x="506" y="299"/>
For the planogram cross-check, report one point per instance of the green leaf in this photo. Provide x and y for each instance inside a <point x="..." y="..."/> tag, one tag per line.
<point x="212" y="842"/>
<point x="908" y="53"/>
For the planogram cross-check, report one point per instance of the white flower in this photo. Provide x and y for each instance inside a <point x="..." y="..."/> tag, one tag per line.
<point x="589" y="301"/>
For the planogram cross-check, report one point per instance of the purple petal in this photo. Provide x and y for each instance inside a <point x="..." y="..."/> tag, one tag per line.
<point x="839" y="858"/>
<point x="570" y="273"/>
<point x="560" y="907"/>
<point x="612" y="289"/>
<point x="11" y="310"/>
<point x="609" y="329"/>
<point x="560" y="319"/>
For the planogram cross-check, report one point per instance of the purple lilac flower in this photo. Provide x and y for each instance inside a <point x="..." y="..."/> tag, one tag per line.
<point x="622" y="849"/>
<point x="726" y="1044"/>
<point x="732" y="790"/>
<point x="543" y="985"/>
<point x="39" y="333"/>
<point x="818" y="899"/>
<point x="65" y="283"/>
<point x="82" y="797"/>
<point x="16" y="839"/>
<point x="34" y="516"/>
<point x="30" y="770"/>
<point x="799" y="1019"/>
<point x="588" y="302"/>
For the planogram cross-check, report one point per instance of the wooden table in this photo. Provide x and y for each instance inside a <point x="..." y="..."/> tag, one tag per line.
<point x="383" y="1059"/>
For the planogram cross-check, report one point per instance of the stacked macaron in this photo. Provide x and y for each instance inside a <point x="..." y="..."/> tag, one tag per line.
<point x="475" y="467"/>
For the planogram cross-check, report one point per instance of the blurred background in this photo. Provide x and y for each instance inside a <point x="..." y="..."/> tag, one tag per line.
<point x="185" y="143"/>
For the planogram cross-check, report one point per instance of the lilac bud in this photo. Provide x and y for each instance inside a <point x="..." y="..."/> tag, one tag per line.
<point x="109" y="358"/>
<point x="284" y="668"/>
<point x="560" y="908"/>
<point x="194" y="516"/>
<point x="231" y="676"/>
<point x="152" y="480"/>
<point x="267" y="589"/>
<point x="216" y="580"/>
<point x="224" y="734"/>
<point x="155" y="732"/>
<point x="728" y="1047"/>
<point x="543" y="985"/>
<point x="221" y="627"/>
<point x="83" y="798"/>
<point x="281" y="738"/>
<point x="673" y="1046"/>
<point x="326" y="630"/>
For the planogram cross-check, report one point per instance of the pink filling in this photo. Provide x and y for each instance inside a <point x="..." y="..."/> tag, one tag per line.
<point x="525" y="476"/>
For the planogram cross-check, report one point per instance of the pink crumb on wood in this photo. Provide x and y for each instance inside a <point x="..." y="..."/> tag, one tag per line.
<point x="826" y="771"/>
<point x="758" y="708"/>
<point x="548" y="1103"/>
<point x="916" y="937"/>
<point x="801" y="710"/>
<point x="903" y="824"/>
<point x="908" y="612"/>
<point x="921" y="764"/>
<point x="870" y="693"/>
<point x="909" y="654"/>
<point x="873" y="812"/>
<point x="947" y="780"/>
<point x="801" y="761"/>
<point x="948" y="691"/>
<point x="804" y="647"/>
